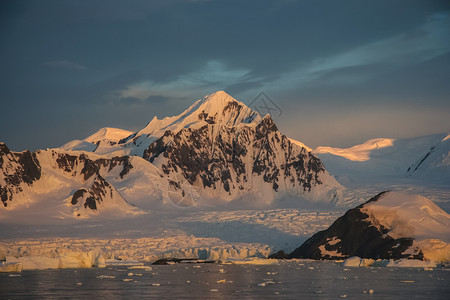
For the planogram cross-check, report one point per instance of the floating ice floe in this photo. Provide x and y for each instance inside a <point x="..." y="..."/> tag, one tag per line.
<point x="251" y="261"/>
<point x="140" y="267"/>
<point x="128" y="262"/>
<point x="105" y="277"/>
<point x="11" y="267"/>
<point x="266" y="283"/>
<point x="401" y="263"/>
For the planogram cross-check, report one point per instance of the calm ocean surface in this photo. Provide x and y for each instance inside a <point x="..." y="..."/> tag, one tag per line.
<point x="287" y="280"/>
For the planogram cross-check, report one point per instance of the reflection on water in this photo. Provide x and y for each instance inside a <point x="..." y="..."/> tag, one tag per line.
<point x="287" y="280"/>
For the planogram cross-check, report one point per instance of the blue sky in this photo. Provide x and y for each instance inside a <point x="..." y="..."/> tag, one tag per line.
<point x="341" y="71"/>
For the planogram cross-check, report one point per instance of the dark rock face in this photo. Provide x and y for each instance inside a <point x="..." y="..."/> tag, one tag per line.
<point x="354" y="235"/>
<point x="23" y="168"/>
<point x="17" y="168"/>
<point x="100" y="188"/>
<point x="90" y="202"/>
<point x="69" y="163"/>
<point x="278" y="255"/>
<point x="77" y="195"/>
<point x="93" y="195"/>
<point x="222" y="157"/>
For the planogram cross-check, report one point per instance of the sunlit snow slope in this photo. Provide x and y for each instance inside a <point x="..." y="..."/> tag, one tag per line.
<point x="424" y="158"/>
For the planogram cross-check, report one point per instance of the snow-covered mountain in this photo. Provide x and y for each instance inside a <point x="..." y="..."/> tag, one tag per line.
<point x="359" y="152"/>
<point x="230" y="162"/>
<point x="72" y="185"/>
<point x="216" y="108"/>
<point x="391" y="225"/>
<point x="217" y="152"/>
<point x="105" y="136"/>
<point x="436" y="162"/>
<point x="425" y="158"/>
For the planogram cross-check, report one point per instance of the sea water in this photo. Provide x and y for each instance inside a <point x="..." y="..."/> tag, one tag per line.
<point x="286" y="280"/>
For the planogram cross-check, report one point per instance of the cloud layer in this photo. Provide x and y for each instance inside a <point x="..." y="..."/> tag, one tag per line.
<point x="342" y="71"/>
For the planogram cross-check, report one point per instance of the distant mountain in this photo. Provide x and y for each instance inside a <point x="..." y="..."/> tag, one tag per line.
<point x="218" y="152"/>
<point x="425" y="158"/>
<point x="391" y="225"/>
<point x="359" y="152"/>
<point x="106" y="135"/>
<point x="435" y="163"/>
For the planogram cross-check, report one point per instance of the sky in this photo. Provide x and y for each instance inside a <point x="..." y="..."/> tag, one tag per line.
<point x="340" y="72"/>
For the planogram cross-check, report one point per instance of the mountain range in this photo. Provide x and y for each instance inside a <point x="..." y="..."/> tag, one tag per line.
<point x="218" y="152"/>
<point x="221" y="155"/>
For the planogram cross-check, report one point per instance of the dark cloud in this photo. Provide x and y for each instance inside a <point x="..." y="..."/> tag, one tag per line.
<point x="65" y="64"/>
<point x="350" y="75"/>
<point x="152" y="99"/>
<point x="128" y="101"/>
<point x="157" y="99"/>
<point x="242" y="87"/>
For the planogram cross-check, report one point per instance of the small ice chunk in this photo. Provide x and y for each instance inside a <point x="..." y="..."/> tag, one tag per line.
<point x="105" y="276"/>
<point x="145" y="268"/>
<point x="266" y="283"/>
<point x="356" y="261"/>
<point x="253" y="261"/>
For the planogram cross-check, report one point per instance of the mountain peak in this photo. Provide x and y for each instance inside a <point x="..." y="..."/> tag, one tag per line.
<point x="215" y="108"/>
<point x="220" y="107"/>
<point x="219" y="94"/>
<point x="219" y="97"/>
<point x="108" y="133"/>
